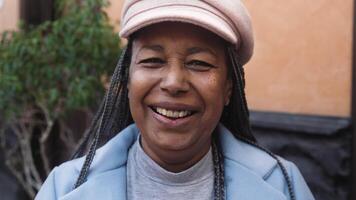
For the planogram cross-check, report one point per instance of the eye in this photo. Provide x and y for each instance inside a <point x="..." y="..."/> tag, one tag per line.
<point x="199" y="65"/>
<point x="152" y="62"/>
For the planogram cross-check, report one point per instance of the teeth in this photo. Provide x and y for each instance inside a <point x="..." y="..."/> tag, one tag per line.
<point x="173" y="113"/>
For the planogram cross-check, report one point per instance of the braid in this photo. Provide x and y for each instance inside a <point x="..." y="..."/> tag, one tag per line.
<point x="218" y="160"/>
<point x="89" y="133"/>
<point x="239" y="114"/>
<point x="104" y="120"/>
<point x="236" y="115"/>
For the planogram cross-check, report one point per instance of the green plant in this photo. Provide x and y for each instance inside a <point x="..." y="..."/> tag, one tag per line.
<point x="46" y="73"/>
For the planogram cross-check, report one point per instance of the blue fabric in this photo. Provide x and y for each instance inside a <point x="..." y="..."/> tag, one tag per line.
<point x="250" y="173"/>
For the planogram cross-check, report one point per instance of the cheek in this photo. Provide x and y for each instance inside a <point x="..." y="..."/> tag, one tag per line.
<point x="212" y="91"/>
<point x="138" y="84"/>
<point x="137" y="88"/>
<point x="140" y="87"/>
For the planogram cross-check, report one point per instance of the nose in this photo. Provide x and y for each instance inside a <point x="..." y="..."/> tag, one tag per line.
<point x="175" y="80"/>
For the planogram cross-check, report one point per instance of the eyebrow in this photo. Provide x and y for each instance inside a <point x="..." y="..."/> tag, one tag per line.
<point x="195" y="50"/>
<point x="190" y="51"/>
<point x="158" y="48"/>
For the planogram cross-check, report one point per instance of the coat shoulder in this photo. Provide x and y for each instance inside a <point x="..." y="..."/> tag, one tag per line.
<point x="60" y="181"/>
<point x="109" y="160"/>
<point x="245" y="154"/>
<point x="264" y="165"/>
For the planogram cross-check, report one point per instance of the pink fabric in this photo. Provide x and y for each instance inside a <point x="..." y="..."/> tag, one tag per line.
<point x="227" y="18"/>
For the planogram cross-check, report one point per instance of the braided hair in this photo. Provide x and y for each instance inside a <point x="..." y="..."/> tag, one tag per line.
<point x="114" y="115"/>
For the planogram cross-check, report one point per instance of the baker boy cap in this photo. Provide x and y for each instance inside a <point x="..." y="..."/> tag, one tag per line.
<point x="228" y="19"/>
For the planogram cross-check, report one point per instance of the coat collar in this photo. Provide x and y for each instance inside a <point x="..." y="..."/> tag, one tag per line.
<point x="107" y="175"/>
<point x="246" y="168"/>
<point x="245" y="154"/>
<point x="113" y="154"/>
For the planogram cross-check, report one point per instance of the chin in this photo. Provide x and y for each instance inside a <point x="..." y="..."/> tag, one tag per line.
<point x="175" y="141"/>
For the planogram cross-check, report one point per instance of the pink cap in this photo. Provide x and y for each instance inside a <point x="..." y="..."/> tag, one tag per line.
<point x="227" y="18"/>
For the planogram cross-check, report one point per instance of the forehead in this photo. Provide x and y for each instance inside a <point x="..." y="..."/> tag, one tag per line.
<point x="179" y="34"/>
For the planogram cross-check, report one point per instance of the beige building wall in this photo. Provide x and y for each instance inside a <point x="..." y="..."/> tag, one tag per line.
<point x="114" y="12"/>
<point x="9" y="14"/>
<point x="303" y="56"/>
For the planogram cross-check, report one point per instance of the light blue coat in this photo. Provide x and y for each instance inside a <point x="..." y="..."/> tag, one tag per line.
<point x="250" y="173"/>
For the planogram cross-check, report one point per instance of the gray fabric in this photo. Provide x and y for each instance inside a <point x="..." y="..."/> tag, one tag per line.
<point x="147" y="180"/>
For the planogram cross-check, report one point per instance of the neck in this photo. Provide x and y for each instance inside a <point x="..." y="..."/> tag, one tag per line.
<point x="176" y="161"/>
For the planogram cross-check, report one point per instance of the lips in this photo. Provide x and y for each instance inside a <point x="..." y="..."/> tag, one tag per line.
<point x="174" y="114"/>
<point x="174" y="111"/>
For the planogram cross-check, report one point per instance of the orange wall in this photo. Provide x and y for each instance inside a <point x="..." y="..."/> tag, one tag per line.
<point x="302" y="60"/>
<point x="114" y="12"/>
<point x="9" y="14"/>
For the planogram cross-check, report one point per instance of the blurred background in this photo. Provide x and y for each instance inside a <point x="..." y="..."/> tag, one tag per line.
<point x="56" y="57"/>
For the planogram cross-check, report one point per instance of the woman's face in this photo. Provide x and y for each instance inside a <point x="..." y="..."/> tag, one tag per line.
<point x="178" y="87"/>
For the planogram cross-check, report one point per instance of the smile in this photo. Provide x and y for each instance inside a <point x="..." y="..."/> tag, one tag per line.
<point x="173" y="114"/>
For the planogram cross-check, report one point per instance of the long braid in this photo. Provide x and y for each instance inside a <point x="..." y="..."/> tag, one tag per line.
<point x="110" y="101"/>
<point x="240" y="96"/>
<point x="89" y="158"/>
<point x="236" y="114"/>
<point x="239" y="77"/>
<point x="89" y="133"/>
<point x="239" y="73"/>
<point x="219" y="179"/>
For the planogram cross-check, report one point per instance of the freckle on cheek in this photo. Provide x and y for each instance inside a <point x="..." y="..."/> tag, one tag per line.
<point x="211" y="80"/>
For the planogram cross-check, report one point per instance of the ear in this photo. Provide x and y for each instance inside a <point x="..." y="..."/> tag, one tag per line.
<point x="228" y="91"/>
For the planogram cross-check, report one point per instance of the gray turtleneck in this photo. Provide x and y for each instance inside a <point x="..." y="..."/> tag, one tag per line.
<point x="147" y="180"/>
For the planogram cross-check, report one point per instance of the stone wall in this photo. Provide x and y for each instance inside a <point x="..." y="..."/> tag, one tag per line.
<point x="319" y="146"/>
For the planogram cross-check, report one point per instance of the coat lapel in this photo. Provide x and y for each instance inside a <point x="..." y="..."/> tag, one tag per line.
<point x="109" y="186"/>
<point x="242" y="183"/>
<point x="107" y="176"/>
<point x="246" y="168"/>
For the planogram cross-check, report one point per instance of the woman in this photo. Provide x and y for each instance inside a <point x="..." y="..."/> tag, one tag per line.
<point x="176" y="114"/>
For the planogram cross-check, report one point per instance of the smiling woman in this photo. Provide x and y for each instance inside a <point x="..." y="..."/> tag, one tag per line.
<point x="175" y="119"/>
<point x="178" y="87"/>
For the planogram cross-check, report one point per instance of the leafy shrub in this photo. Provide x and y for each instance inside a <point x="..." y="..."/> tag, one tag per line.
<point x="47" y="72"/>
